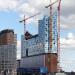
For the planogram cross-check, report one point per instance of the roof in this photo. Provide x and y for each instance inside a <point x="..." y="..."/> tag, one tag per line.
<point x="6" y="31"/>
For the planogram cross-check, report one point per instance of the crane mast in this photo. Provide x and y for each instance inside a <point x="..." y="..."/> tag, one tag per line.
<point x="50" y="26"/>
<point x="25" y="19"/>
<point x="58" y="44"/>
<point x="58" y="32"/>
<point x="24" y="25"/>
<point x="51" y="14"/>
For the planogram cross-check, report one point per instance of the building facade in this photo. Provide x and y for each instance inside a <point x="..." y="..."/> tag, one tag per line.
<point x="36" y="52"/>
<point x="36" y="44"/>
<point x="30" y="45"/>
<point x="44" y="33"/>
<point x="43" y="29"/>
<point x="8" y="49"/>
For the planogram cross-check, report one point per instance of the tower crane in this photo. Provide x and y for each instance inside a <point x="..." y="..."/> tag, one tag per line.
<point x="58" y="44"/>
<point x="25" y="19"/>
<point x="51" y="4"/>
<point x="58" y="33"/>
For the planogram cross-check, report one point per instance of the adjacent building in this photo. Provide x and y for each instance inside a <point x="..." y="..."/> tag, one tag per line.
<point x="8" y="51"/>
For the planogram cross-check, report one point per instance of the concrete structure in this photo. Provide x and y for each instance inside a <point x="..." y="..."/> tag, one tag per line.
<point x="47" y="61"/>
<point x="7" y="51"/>
<point x="36" y="52"/>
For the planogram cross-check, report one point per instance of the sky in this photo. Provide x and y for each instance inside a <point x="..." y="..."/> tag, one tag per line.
<point x="12" y="11"/>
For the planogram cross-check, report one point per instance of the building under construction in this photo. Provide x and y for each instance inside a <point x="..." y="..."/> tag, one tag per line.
<point x="37" y="57"/>
<point x="7" y="52"/>
<point x="41" y="53"/>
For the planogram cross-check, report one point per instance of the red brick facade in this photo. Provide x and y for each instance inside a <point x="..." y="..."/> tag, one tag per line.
<point x="51" y="62"/>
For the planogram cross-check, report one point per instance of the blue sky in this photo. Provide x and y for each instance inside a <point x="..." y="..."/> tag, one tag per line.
<point x="9" y="20"/>
<point x="11" y="11"/>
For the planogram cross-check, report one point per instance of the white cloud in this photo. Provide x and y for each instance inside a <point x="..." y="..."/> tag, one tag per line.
<point x="67" y="17"/>
<point x="67" y="14"/>
<point x="67" y="50"/>
<point x="8" y="4"/>
<point x="26" y="8"/>
<point x="68" y="22"/>
<point x="67" y="7"/>
<point x="70" y="36"/>
<point x="29" y="8"/>
<point x="68" y="42"/>
<point x="68" y="65"/>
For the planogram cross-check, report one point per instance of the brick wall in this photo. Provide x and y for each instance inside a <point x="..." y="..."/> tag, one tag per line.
<point x="51" y="62"/>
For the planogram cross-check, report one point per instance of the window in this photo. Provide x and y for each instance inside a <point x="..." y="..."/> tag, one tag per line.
<point x="27" y="52"/>
<point x="46" y="34"/>
<point x="46" y="40"/>
<point x="46" y="24"/>
<point x="46" y="19"/>
<point x="46" y="29"/>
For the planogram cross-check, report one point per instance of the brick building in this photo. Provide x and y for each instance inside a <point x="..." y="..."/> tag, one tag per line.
<point x="8" y="51"/>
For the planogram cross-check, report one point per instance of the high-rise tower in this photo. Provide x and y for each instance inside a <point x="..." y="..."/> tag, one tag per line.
<point x="7" y="51"/>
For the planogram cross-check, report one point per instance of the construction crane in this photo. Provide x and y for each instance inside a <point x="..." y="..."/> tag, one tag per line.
<point x="58" y="44"/>
<point x="25" y="19"/>
<point x="51" y="4"/>
<point x="58" y="32"/>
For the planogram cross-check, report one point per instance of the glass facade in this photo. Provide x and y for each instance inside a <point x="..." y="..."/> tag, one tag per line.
<point x="41" y="44"/>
